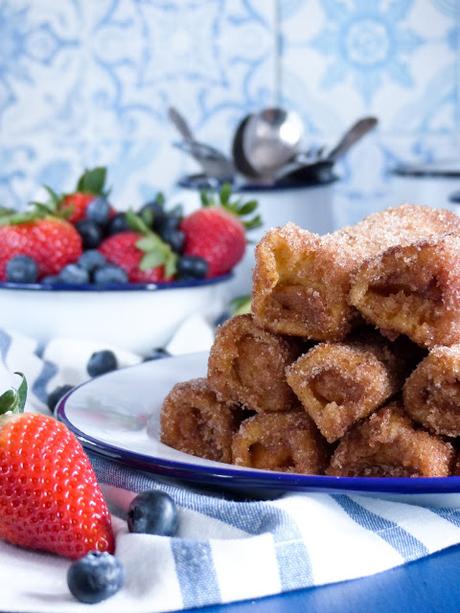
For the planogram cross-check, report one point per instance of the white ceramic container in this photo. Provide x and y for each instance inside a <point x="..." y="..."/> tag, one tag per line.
<point x="432" y="184"/>
<point x="137" y="317"/>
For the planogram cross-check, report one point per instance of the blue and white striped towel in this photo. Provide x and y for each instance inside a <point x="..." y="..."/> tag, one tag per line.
<point x="226" y="550"/>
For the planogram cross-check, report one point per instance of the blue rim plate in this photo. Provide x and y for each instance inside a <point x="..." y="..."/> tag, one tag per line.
<point x="116" y="287"/>
<point x="116" y="416"/>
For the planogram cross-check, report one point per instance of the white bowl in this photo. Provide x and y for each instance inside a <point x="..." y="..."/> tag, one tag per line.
<point x="136" y="317"/>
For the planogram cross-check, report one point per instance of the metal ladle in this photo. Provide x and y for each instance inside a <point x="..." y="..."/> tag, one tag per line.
<point x="270" y="138"/>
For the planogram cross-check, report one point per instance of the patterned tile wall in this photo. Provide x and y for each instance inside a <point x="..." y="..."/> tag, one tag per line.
<point x="87" y="82"/>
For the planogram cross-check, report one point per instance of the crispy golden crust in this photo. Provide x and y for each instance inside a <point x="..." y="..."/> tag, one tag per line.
<point x="302" y="280"/>
<point x="247" y="366"/>
<point x="432" y="392"/>
<point x="340" y="383"/>
<point x="194" y="421"/>
<point x="387" y="444"/>
<point x="413" y="290"/>
<point x="287" y="442"/>
<point x="298" y="287"/>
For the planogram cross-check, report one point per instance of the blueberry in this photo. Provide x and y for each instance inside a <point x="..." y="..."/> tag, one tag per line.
<point x="192" y="267"/>
<point x="95" y="577"/>
<point x="101" y="362"/>
<point x="177" y="211"/>
<point x="222" y="318"/>
<point x="167" y="224"/>
<point x="152" y="213"/>
<point x="98" y="210"/>
<point x="91" y="259"/>
<point x="110" y="274"/>
<point x="90" y="232"/>
<point x="21" y="269"/>
<point x="153" y="512"/>
<point x="117" y="224"/>
<point x="175" y="238"/>
<point x="56" y="395"/>
<point x="156" y="354"/>
<point x="50" y="280"/>
<point x="73" y="274"/>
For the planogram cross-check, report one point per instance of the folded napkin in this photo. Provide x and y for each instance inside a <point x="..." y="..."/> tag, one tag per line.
<point x="226" y="549"/>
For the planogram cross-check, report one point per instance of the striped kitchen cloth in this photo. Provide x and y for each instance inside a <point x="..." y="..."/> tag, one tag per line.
<point x="226" y="549"/>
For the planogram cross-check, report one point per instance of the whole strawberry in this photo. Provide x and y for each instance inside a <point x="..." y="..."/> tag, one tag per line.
<point x="90" y="186"/>
<point x="141" y="253"/>
<point x="217" y="232"/>
<point x="49" y="496"/>
<point x="50" y="241"/>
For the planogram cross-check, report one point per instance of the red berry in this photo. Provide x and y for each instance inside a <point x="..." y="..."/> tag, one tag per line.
<point x="51" y="242"/>
<point x="77" y="203"/>
<point x="121" y="250"/>
<point x="216" y="236"/>
<point x="49" y="496"/>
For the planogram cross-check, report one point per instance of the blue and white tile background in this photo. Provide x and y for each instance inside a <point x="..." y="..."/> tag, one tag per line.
<point x="86" y="82"/>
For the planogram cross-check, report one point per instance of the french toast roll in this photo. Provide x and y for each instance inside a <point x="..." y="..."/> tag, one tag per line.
<point x="247" y="366"/>
<point x="387" y="444"/>
<point x="194" y="421"/>
<point x="287" y="442"/>
<point x="432" y="392"/>
<point x="302" y="280"/>
<point x="341" y="383"/>
<point x="413" y="289"/>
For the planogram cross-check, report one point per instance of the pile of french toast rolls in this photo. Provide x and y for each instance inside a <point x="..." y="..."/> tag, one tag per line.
<point x="349" y="364"/>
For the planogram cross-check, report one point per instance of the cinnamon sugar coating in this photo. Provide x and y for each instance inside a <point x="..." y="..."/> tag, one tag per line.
<point x="340" y="383"/>
<point x="302" y="280"/>
<point x="287" y="442"/>
<point x="387" y="444"/>
<point x="194" y="421"/>
<point x="432" y="392"/>
<point x="247" y="366"/>
<point x="414" y="290"/>
<point x="456" y="471"/>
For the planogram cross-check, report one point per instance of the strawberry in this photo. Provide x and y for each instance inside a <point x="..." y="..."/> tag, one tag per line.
<point x="140" y="252"/>
<point x="216" y="233"/>
<point x="75" y="205"/>
<point x="49" y="496"/>
<point x="50" y="241"/>
<point x="90" y="185"/>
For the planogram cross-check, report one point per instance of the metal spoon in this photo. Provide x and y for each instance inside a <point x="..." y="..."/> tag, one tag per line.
<point x="270" y="139"/>
<point x="214" y="163"/>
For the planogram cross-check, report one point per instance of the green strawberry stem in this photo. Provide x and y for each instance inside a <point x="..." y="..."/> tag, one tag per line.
<point x="240" y="305"/>
<point x="236" y="207"/>
<point x="156" y="251"/>
<point x="11" y="218"/>
<point x="14" y="400"/>
<point x="92" y="181"/>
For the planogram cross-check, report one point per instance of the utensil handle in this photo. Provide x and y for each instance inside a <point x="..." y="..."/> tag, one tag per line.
<point x="181" y="124"/>
<point x="352" y="136"/>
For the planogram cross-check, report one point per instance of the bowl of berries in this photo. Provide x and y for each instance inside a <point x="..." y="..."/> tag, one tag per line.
<point x="74" y="267"/>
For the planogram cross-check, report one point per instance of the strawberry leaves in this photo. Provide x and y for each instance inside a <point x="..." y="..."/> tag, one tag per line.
<point x="14" y="400"/>
<point x="156" y="251"/>
<point x="13" y="218"/>
<point x="237" y="207"/>
<point x="92" y="181"/>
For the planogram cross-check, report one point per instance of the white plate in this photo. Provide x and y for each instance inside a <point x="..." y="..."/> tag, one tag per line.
<point x="118" y="415"/>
